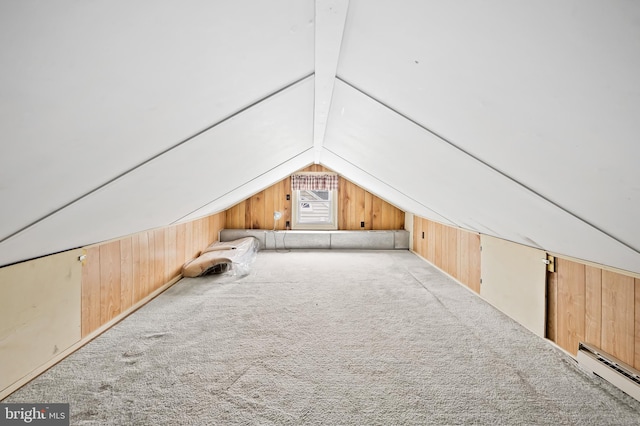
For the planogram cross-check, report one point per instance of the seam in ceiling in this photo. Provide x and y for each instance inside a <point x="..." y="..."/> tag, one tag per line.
<point x="389" y="186"/>
<point x="182" y="142"/>
<point x="243" y="184"/>
<point x="487" y="165"/>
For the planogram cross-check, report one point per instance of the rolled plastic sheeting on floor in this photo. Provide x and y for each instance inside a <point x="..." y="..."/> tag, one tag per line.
<point x="234" y="257"/>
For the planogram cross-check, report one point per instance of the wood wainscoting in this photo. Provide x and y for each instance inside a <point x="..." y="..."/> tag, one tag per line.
<point x="355" y="205"/>
<point x="594" y="305"/>
<point x="118" y="274"/>
<point x="454" y="250"/>
<point x="52" y="306"/>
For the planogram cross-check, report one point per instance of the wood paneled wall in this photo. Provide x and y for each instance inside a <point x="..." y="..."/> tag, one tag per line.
<point x="455" y="251"/>
<point x="596" y="306"/>
<point x="355" y="205"/>
<point x="118" y="274"/>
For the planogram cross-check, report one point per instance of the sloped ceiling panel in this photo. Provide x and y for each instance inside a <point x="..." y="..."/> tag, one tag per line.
<point x="378" y="187"/>
<point x="457" y="186"/>
<point x="546" y="94"/>
<point x="90" y="90"/>
<point x="171" y="186"/>
<point x="253" y="186"/>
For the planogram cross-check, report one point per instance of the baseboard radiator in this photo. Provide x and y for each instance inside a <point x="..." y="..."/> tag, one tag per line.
<point x="600" y="363"/>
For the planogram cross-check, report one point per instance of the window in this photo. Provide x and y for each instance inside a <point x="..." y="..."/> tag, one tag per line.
<point x="315" y="203"/>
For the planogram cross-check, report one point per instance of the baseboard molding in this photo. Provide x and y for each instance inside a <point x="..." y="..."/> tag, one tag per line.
<point x="83" y="341"/>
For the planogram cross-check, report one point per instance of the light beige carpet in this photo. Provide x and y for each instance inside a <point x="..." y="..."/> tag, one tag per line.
<point x="326" y="337"/>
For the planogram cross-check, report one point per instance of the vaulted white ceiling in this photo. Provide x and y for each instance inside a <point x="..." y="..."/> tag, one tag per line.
<point x="514" y="119"/>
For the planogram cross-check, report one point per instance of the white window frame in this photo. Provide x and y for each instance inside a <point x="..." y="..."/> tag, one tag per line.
<point x="331" y="225"/>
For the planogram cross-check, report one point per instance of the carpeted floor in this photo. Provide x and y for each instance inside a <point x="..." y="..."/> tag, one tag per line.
<point x="326" y="337"/>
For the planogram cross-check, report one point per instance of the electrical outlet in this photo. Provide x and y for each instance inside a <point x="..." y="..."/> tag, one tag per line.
<point x="288" y="197"/>
<point x="423" y="235"/>
<point x="361" y="224"/>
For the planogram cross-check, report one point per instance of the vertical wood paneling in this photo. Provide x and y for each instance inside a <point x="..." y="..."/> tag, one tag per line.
<point x="552" y="306"/>
<point x="452" y="247"/>
<point x="279" y="193"/>
<point x="424" y="243"/>
<point x="213" y="228"/>
<point x="388" y="216"/>
<point x="453" y="250"/>
<point x="181" y="243"/>
<point x="343" y="204"/>
<point x="219" y="224"/>
<point x="109" y="281"/>
<point x="376" y="213"/>
<point x="571" y="304"/>
<point x="159" y="250"/>
<point x="173" y="262"/>
<point x="360" y="210"/>
<point x="247" y="213"/>
<point x="118" y="274"/>
<point x="417" y="236"/>
<point x="151" y="237"/>
<point x="258" y="211"/>
<point x="145" y="241"/>
<point x="126" y="273"/>
<point x="368" y="210"/>
<point x="205" y="232"/>
<point x="611" y="306"/>
<point x="438" y="245"/>
<point x="593" y="306"/>
<point x="636" y="363"/>
<point x="444" y="262"/>
<point x="463" y="257"/>
<point x="90" y="301"/>
<point x="236" y="216"/>
<point x="618" y="317"/>
<point x="270" y="207"/>
<point x="355" y="205"/>
<point x="431" y="241"/>
<point x="190" y="246"/>
<point x="399" y="219"/>
<point x="196" y="235"/>
<point x="136" y="268"/>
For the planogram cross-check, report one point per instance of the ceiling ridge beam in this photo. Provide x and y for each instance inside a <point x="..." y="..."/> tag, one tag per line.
<point x="330" y="19"/>
<point x="160" y="154"/>
<point x="484" y="163"/>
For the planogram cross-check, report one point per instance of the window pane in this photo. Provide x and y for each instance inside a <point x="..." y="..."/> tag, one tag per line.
<point x="314" y="195"/>
<point x="314" y="207"/>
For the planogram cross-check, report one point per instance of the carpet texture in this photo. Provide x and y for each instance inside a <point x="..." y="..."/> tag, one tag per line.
<point x="326" y="337"/>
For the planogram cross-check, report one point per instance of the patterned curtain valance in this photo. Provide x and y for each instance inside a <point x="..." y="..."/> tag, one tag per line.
<point x="314" y="182"/>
